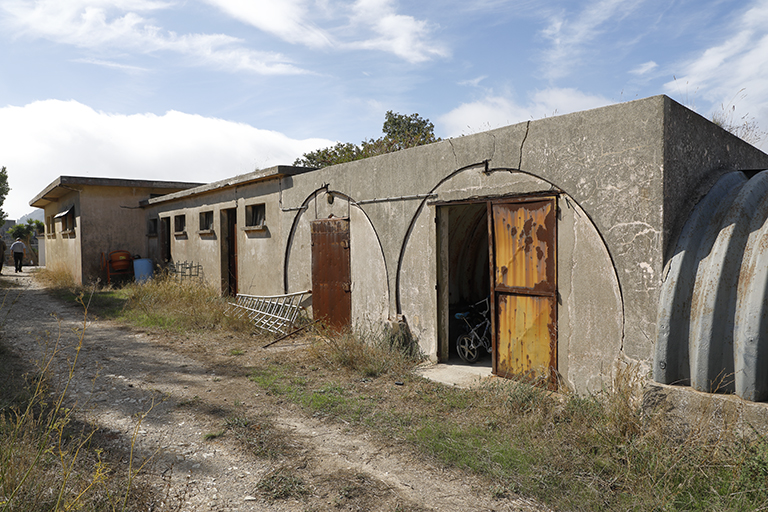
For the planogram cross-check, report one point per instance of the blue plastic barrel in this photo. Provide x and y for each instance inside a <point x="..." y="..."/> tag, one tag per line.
<point x="142" y="269"/>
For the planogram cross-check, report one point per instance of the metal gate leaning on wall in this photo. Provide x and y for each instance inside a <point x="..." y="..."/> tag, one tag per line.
<point x="331" y="275"/>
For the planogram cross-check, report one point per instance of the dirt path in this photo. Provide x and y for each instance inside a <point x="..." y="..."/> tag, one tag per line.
<point x="122" y="374"/>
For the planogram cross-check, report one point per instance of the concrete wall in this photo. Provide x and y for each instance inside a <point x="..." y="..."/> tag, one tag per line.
<point x="368" y="272"/>
<point x="614" y="164"/>
<point x="260" y="252"/>
<point x="110" y="220"/>
<point x="63" y="251"/>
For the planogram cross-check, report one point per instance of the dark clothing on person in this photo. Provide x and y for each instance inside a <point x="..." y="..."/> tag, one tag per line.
<point x="18" y="250"/>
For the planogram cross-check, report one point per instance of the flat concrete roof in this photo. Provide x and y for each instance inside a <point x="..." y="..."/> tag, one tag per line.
<point x="64" y="184"/>
<point x="236" y="181"/>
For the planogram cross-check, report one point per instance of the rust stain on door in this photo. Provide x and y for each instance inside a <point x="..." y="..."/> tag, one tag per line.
<point x="331" y="279"/>
<point x="526" y="332"/>
<point x="525" y="289"/>
<point x="525" y="242"/>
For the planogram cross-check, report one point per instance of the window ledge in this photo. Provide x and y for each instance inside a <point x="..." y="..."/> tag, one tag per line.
<point x="180" y="234"/>
<point x="206" y="232"/>
<point x="68" y="233"/>
<point x="260" y="227"/>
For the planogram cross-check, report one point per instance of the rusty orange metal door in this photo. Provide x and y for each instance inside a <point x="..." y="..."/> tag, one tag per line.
<point x="525" y="289"/>
<point x="331" y="280"/>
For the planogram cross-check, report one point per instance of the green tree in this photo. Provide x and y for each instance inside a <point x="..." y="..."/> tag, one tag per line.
<point x="4" y="189"/>
<point x="26" y="232"/>
<point x="400" y="132"/>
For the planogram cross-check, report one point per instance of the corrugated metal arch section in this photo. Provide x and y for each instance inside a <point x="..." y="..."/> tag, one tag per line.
<point x="712" y="327"/>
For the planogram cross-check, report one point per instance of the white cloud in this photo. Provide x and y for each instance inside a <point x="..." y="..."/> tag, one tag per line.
<point x="495" y="111"/>
<point x="118" y="26"/>
<point x="405" y="36"/>
<point x="644" y="68"/>
<point x="287" y="19"/>
<point x="114" y="65"/>
<point x="475" y="82"/>
<point x="104" y="26"/>
<point x="737" y="63"/>
<point x="45" y="139"/>
<point x="570" y="35"/>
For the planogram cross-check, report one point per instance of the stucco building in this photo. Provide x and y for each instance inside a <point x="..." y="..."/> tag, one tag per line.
<point x="87" y="217"/>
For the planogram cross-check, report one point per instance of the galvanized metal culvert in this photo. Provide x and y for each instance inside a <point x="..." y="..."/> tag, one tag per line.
<point x="713" y="307"/>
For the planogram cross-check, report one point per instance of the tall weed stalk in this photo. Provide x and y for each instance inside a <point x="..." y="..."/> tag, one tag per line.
<point x="48" y="460"/>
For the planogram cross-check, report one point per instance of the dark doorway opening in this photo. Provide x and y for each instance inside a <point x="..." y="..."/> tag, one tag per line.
<point x="229" y="251"/>
<point x="165" y="240"/>
<point x="464" y="271"/>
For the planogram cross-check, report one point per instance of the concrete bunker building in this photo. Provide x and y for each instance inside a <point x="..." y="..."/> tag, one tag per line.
<point x="569" y="224"/>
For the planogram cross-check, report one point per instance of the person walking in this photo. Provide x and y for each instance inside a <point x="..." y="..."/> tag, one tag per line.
<point x="19" y="250"/>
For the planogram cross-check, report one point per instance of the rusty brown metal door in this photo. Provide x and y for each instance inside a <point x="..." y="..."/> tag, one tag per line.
<point x="331" y="279"/>
<point x="525" y="290"/>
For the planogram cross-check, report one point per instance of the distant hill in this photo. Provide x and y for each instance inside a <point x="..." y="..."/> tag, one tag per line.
<point x="36" y="214"/>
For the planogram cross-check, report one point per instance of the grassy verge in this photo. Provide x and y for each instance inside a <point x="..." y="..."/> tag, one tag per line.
<point x="597" y="452"/>
<point x="161" y="303"/>
<point x="49" y="459"/>
<point x="573" y="453"/>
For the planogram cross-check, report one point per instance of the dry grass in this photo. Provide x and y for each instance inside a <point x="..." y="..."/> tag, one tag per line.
<point x="370" y="353"/>
<point x="598" y="452"/>
<point x="169" y="304"/>
<point x="57" y="278"/>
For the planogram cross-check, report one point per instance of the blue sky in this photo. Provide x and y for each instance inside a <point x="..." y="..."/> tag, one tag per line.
<point x="200" y="90"/>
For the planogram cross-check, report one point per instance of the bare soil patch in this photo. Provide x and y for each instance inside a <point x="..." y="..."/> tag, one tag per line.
<point x="215" y="440"/>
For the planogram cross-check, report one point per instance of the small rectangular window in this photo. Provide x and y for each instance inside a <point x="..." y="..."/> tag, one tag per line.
<point x="206" y="221"/>
<point x="50" y="226"/>
<point x="67" y="218"/>
<point x="254" y="215"/>
<point x="179" y="223"/>
<point x="152" y="227"/>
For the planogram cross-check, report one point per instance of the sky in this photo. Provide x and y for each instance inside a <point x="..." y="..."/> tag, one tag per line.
<point x="202" y="90"/>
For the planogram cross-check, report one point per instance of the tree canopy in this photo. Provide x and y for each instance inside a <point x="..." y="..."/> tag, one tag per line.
<point x="400" y="132"/>
<point x="25" y="231"/>
<point x="4" y="189"/>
